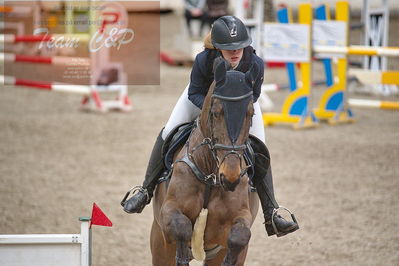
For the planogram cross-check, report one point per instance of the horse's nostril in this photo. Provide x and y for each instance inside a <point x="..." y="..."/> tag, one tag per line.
<point x="221" y="175"/>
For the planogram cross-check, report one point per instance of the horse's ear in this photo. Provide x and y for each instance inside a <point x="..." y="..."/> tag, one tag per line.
<point x="252" y="74"/>
<point x="220" y="66"/>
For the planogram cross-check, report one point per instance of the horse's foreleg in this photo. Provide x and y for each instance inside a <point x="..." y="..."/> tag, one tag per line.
<point x="237" y="241"/>
<point x="178" y="228"/>
<point x="181" y="228"/>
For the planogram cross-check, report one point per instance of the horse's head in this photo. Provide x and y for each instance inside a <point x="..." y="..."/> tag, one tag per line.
<point x="226" y="118"/>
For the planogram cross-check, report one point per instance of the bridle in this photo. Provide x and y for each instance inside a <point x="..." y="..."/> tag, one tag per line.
<point x="211" y="142"/>
<point x="236" y="150"/>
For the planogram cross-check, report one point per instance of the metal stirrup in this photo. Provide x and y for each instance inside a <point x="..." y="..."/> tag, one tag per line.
<point x="275" y="213"/>
<point x="132" y="191"/>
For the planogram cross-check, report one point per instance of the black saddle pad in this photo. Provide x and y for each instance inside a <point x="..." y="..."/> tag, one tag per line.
<point x="175" y="140"/>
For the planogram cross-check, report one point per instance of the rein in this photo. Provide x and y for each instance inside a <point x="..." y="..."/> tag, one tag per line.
<point x="188" y="158"/>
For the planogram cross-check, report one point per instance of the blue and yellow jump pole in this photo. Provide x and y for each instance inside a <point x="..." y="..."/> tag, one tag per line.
<point x="284" y="15"/>
<point x="323" y="13"/>
<point x="332" y="105"/>
<point x="296" y="109"/>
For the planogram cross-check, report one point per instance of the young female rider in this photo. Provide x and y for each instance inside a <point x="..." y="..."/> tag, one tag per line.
<point x="228" y="39"/>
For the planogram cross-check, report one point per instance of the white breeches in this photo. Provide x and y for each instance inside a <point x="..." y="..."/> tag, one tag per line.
<point x="185" y="111"/>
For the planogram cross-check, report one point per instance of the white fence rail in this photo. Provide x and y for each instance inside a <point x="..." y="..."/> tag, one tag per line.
<point x="47" y="249"/>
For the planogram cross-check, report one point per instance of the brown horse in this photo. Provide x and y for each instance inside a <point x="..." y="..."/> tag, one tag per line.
<point x="210" y="173"/>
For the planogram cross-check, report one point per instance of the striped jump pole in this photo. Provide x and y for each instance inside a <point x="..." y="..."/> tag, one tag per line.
<point x="54" y="60"/>
<point x="374" y="104"/>
<point x="10" y="38"/>
<point x="272" y="87"/>
<point x="376" y="77"/>
<point x="51" y="86"/>
<point x="61" y="87"/>
<point x="358" y="50"/>
<point x="16" y="9"/>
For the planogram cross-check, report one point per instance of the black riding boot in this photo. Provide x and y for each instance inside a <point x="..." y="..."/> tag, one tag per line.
<point x="263" y="181"/>
<point x="144" y="193"/>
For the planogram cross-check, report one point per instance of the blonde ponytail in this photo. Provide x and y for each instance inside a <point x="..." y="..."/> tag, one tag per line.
<point x="208" y="41"/>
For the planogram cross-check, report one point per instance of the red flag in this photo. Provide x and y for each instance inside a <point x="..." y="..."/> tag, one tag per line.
<point x="98" y="217"/>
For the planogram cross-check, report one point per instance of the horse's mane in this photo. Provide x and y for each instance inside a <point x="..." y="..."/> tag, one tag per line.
<point x="206" y="108"/>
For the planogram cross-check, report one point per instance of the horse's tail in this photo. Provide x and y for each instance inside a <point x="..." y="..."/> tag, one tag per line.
<point x="197" y="240"/>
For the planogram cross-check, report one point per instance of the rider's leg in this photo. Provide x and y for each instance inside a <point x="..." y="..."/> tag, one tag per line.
<point x="263" y="179"/>
<point x="154" y="169"/>
<point x="257" y="129"/>
<point x="183" y="112"/>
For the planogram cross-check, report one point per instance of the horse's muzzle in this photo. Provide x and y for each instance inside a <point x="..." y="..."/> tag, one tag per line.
<point x="230" y="171"/>
<point x="227" y="185"/>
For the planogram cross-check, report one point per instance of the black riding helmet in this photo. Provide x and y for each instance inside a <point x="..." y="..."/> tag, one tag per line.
<point x="229" y="33"/>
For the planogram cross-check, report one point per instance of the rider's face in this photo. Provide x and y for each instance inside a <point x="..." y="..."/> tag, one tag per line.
<point x="233" y="56"/>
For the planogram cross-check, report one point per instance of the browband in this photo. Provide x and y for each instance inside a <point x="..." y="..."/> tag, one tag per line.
<point x="232" y="99"/>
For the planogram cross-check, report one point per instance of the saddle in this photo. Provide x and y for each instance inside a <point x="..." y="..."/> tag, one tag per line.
<point x="176" y="139"/>
<point x="179" y="136"/>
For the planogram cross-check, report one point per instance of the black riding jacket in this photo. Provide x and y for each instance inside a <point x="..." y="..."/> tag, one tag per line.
<point x="202" y="75"/>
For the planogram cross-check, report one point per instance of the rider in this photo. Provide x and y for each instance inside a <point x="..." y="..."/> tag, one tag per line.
<point x="228" y="39"/>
